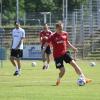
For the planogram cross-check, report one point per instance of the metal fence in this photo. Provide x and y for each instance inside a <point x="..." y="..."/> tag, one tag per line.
<point x="83" y="26"/>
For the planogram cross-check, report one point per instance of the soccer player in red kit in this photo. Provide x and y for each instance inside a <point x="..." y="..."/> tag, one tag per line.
<point x="60" y="44"/>
<point x="46" y="51"/>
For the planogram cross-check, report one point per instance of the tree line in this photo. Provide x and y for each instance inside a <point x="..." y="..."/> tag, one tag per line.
<point x="9" y="6"/>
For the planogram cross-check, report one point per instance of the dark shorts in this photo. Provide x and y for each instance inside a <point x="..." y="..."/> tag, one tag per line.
<point x="16" y="53"/>
<point x="60" y="61"/>
<point x="47" y="50"/>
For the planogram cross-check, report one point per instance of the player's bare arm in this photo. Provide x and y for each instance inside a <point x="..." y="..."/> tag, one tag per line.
<point x="71" y="46"/>
<point x="74" y="49"/>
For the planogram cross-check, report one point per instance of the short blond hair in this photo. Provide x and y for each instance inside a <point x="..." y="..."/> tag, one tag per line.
<point x="59" y="24"/>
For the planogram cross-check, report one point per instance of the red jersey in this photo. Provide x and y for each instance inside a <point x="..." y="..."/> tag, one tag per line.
<point x="43" y="34"/>
<point x="59" y="43"/>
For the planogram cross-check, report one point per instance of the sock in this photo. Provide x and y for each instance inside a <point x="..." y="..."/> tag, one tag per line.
<point x="19" y="71"/>
<point x="45" y="63"/>
<point x="48" y="65"/>
<point x="82" y="76"/>
<point x="17" y="68"/>
<point x="58" y="79"/>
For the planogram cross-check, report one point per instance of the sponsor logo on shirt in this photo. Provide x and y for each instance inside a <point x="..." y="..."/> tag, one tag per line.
<point x="60" y="42"/>
<point x="16" y="36"/>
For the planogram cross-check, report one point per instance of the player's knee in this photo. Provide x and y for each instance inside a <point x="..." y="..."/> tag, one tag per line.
<point x="73" y="63"/>
<point x="62" y="70"/>
<point x="11" y="58"/>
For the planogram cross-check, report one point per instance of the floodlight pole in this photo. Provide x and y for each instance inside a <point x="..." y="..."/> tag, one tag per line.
<point x="50" y="18"/>
<point x="98" y="13"/>
<point x="82" y="26"/>
<point x="65" y="11"/>
<point x="82" y="30"/>
<point x="74" y="20"/>
<point x="17" y="10"/>
<point x="91" y="24"/>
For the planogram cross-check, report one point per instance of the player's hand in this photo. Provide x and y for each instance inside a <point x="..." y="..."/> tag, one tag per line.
<point x="45" y="38"/>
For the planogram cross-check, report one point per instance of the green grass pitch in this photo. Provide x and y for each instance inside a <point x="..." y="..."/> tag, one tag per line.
<point x="37" y="84"/>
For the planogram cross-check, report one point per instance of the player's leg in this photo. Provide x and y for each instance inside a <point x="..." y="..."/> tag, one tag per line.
<point x="77" y="68"/>
<point x="43" y="48"/>
<point x="12" y="55"/>
<point x="43" y="59"/>
<point x="48" y="60"/>
<point x="79" y="71"/>
<point x="18" y="59"/>
<point x="19" y="65"/>
<point x="13" y="60"/>
<point x="60" y="66"/>
<point x="61" y="74"/>
<point x="69" y="59"/>
<point x="48" y="52"/>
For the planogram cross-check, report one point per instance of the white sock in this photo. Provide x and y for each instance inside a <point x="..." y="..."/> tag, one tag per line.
<point x="45" y="63"/>
<point x="82" y="76"/>
<point x="17" y="68"/>
<point x="48" y="65"/>
<point x="58" y="78"/>
<point x="19" y="71"/>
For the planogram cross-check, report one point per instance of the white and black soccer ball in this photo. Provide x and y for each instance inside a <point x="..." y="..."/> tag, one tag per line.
<point x="92" y="64"/>
<point x="81" y="82"/>
<point x="34" y="64"/>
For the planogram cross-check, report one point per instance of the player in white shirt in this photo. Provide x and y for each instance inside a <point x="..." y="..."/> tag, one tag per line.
<point x="18" y="35"/>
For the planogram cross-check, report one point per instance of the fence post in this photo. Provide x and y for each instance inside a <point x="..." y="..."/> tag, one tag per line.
<point x="1" y="45"/>
<point x="82" y="31"/>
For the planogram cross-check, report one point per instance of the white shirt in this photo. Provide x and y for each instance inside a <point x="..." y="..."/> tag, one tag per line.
<point x="17" y="35"/>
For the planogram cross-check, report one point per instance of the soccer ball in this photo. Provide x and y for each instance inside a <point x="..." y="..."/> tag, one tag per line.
<point x="92" y="64"/>
<point x="81" y="82"/>
<point x="33" y="64"/>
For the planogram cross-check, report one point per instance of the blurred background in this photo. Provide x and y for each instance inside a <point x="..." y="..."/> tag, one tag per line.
<point x="81" y="20"/>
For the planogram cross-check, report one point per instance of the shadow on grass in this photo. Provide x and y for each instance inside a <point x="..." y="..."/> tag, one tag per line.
<point x="30" y="85"/>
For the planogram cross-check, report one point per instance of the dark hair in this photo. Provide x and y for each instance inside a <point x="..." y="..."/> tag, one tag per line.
<point x="16" y="22"/>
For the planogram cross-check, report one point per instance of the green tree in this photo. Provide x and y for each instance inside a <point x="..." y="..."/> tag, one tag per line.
<point x="9" y="9"/>
<point x="9" y="6"/>
<point x="39" y="5"/>
<point x="30" y="6"/>
<point x="75" y="4"/>
<point x="58" y="5"/>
